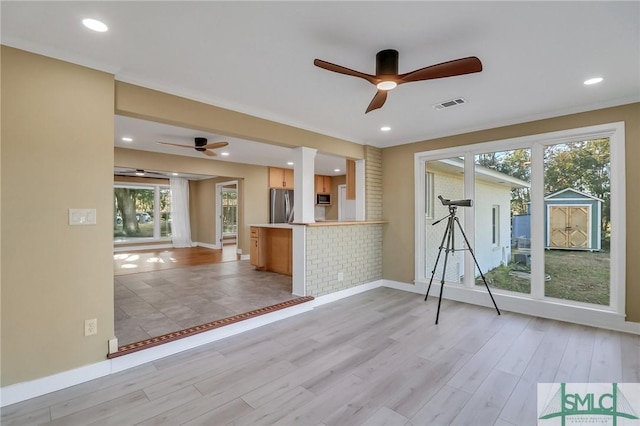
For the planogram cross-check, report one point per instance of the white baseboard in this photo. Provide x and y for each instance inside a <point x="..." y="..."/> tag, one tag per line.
<point x="209" y="246"/>
<point x="552" y="309"/>
<point x="245" y="256"/>
<point x="332" y="297"/>
<point x="26" y="390"/>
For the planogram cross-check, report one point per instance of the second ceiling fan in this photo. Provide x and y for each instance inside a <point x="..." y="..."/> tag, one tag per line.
<point x="201" y="145"/>
<point x="387" y="77"/>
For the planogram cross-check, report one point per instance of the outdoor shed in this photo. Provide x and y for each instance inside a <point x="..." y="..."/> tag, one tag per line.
<point x="572" y="220"/>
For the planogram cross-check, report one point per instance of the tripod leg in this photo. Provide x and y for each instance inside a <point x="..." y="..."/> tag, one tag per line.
<point x="477" y="265"/>
<point x="450" y="247"/>
<point x="444" y="237"/>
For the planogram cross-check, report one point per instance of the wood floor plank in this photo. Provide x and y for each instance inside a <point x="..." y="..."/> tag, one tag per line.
<point x="100" y="412"/>
<point x="276" y="409"/>
<point x="442" y="408"/>
<point x="606" y="363"/>
<point x="372" y="358"/>
<point x="630" y="352"/>
<point x="313" y="371"/>
<point x="222" y="415"/>
<point x="479" y="367"/>
<point x="150" y="409"/>
<point x="385" y="416"/>
<point x="485" y="405"/>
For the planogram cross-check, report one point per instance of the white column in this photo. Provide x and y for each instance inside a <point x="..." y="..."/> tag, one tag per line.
<point x="303" y="183"/>
<point x="360" y="191"/>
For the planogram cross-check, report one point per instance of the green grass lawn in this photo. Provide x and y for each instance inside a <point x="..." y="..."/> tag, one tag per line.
<point x="580" y="276"/>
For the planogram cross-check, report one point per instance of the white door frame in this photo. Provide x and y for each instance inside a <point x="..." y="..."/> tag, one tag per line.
<point x="218" y="229"/>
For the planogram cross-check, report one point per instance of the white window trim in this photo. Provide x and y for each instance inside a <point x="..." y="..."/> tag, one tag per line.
<point x="611" y="316"/>
<point x="156" y="224"/>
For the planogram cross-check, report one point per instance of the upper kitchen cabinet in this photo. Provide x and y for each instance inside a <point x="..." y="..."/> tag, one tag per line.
<point x="323" y="184"/>
<point x="351" y="180"/>
<point x="280" y="178"/>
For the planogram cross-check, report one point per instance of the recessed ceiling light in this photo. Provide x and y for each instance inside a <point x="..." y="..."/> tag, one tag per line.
<point x="385" y="128"/>
<point x="336" y="170"/>
<point x="126" y="139"/>
<point x="95" y="25"/>
<point x="289" y="163"/>
<point x="224" y="154"/>
<point x="139" y="172"/>
<point x="594" y="80"/>
<point x="174" y="174"/>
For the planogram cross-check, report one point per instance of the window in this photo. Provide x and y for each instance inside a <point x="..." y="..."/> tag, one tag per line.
<point x="229" y="211"/>
<point x="562" y="241"/>
<point x="429" y="197"/>
<point x="141" y="212"/>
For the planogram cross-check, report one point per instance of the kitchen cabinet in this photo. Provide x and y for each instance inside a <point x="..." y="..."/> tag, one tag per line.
<point x="351" y="180"/>
<point x="257" y="252"/>
<point x="323" y="184"/>
<point x="271" y="249"/>
<point x="280" y="178"/>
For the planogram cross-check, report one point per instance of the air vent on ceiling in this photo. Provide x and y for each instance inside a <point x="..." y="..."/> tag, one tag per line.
<point x="449" y="104"/>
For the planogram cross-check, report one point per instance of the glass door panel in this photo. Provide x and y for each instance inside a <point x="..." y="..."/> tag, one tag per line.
<point x="577" y="186"/>
<point x="502" y="219"/>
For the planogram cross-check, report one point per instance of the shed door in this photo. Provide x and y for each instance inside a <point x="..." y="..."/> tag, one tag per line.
<point x="569" y="226"/>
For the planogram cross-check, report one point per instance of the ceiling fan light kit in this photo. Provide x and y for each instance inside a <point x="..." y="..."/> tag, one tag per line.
<point x="387" y="77"/>
<point x="200" y="145"/>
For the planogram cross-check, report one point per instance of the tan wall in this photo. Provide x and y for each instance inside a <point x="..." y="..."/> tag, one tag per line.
<point x="57" y="153"/>
<point x="140" y="102"/>
<point x="398" y="189"/>
<point x="203" y="209"/>
<point x="253" y="183"/>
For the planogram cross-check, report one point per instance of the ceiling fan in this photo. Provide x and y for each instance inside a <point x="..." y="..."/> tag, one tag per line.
<point x="387" y="77"/>
<point x="201" y="145"/>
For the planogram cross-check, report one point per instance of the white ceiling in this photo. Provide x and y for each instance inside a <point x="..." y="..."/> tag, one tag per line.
<point x="257" y="58"/>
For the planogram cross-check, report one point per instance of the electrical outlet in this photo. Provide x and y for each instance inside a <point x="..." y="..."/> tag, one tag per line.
<point x="340" y="276"/>
<point x="90" y="326"/>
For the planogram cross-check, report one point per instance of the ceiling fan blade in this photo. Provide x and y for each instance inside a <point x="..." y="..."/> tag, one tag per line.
<point x="343" y="70"/>
<point x="174" y="144"/>
<point x="209" y="153"/>
<point x="446" y="69"/>
<point x="377" y="101"/>
<point x="215" y="145"/>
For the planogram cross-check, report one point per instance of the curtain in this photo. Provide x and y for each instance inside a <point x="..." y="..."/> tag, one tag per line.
<point x="180" y="227"/>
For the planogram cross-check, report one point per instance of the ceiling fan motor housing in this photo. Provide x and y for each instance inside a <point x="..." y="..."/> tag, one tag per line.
<point x="201" y="142"/>
<point x="387" y="62"/>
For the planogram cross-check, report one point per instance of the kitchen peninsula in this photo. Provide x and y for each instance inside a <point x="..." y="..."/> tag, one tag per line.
<point x="271" y="247"/>
<point x="337" y="248"/>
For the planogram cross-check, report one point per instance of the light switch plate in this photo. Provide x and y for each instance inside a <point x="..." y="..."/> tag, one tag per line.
<point x="82" y="216"/>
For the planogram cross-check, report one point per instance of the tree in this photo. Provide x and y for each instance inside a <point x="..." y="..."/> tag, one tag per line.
<point x="126" y="204"/>
<point x="583" y="165"/>
<point x="514" y="163"/>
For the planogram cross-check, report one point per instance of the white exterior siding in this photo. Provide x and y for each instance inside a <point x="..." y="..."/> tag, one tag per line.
<point x="488" y="255"/>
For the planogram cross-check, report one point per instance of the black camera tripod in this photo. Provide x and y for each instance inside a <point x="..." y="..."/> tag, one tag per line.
<point x="449" y="237"/>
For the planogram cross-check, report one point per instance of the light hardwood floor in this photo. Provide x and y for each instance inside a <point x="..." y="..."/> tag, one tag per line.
<point x="373" y="358"/>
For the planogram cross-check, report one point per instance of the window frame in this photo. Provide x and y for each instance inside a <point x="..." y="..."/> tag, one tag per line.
<point x="536" y="302"/>
<point x="156" y="212"/>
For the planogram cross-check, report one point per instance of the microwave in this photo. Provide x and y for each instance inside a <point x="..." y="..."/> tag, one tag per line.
<point x="323" y="199"/>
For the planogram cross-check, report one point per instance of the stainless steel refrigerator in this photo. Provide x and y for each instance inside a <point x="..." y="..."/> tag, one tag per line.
<point x="280" y="205"/>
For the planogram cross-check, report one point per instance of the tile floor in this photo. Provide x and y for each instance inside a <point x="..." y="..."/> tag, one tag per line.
<point x="150" y="304"/>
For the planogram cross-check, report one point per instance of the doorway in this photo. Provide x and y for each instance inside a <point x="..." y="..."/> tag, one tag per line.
<point x="346" y="208"/>
<point x="227" y="215"/>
